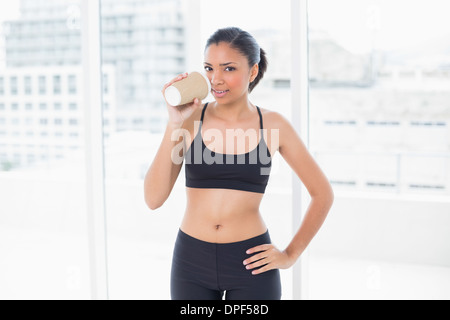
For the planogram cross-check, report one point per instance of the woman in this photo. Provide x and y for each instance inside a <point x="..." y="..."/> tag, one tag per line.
<point x="223" y="244"/>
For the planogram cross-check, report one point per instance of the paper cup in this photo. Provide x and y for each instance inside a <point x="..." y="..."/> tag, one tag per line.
<point x="196" y="85"/>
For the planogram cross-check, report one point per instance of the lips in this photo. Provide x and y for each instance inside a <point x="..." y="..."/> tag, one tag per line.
<point x="219" y="93"/>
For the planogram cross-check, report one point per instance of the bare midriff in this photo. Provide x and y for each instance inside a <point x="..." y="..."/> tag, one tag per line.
<point x="222" y="215"/>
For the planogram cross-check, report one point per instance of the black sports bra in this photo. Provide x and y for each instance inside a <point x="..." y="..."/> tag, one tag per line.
<point x="208" y="169"/>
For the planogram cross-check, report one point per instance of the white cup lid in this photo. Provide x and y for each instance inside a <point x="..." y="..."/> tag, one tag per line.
<point x="173" y="96"/>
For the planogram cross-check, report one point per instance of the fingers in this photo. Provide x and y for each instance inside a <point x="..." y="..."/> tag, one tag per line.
<point x="260" y="266"/>
<point x="195" y="103"/>
<point x="260" y="259"/>
<point x="267" y="257"/>
<point x="252" y="261"/>
<point x="178" y="78"/>
<point x="260" y="248"/>
<point x="266" y="268"/>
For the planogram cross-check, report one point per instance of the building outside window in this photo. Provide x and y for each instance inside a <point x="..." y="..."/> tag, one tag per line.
<point x="56" y="85"/>
<point x="42" y="85"/>
<point x="27" y="85"/>
<point x="13" y="84"/>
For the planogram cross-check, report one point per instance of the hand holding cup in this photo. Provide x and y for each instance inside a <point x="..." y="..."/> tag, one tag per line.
<point x="184" y="95"/>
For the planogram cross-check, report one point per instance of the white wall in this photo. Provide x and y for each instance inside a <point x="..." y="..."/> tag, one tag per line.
<point x="413" y="229"/>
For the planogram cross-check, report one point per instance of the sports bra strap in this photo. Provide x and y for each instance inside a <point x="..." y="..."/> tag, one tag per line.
<point x="203" y="112"/>
<point x="259" y="111"/>
<point x="260" y="118"/>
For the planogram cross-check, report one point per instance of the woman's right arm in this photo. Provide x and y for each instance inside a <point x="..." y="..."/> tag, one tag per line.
<point x="163" y="172"/>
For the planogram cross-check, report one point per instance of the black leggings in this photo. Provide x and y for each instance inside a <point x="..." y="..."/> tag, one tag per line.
<point x="204" y="271"/>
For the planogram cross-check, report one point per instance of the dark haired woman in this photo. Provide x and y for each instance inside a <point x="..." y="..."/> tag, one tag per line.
<point x="223" y="245"/>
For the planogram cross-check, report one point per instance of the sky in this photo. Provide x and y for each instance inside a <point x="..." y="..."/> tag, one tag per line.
<point x="356" y="24"/>
<point x="389" y="24"/>
<point x="247" y="14"/>
<point x="9" y="10"/>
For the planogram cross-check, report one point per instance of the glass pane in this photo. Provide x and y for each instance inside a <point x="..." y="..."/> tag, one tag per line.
<point x="43" y="234"/>
<point x="380" y="118"/>
<point x="145" y="44"/>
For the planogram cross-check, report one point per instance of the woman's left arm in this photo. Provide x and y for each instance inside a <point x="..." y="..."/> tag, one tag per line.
<point x="294" y="151"/>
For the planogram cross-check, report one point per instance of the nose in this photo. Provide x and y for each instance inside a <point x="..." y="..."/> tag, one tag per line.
<point x="216" y="78"/>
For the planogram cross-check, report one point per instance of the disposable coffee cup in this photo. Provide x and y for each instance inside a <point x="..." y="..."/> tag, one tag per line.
<point x="195" y="85"/>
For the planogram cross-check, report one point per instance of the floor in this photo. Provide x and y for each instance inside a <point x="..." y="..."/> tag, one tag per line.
<point x="344" y="278"/>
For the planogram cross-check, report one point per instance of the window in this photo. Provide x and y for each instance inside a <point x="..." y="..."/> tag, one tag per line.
<point x="41" y="184"/>
<point x="374" y="98"/>
<point x="56" y="85"/>
<point x="379" y="128"/>
<point x="42" y="85"/>
<point x="28" y="85"/>
<point x="13" y="85"/>
<point x="105" y="84"/>
<point x="72" y="83"/>
<point x="378" y="124"/>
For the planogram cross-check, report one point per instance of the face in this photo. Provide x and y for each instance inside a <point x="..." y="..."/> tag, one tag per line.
<point x="229" y="73"/>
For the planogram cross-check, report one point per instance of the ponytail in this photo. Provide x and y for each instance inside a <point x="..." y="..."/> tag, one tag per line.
<point x="262" y="66"/>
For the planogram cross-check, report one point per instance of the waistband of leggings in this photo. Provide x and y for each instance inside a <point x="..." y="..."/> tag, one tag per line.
<point x="261" y="239"/>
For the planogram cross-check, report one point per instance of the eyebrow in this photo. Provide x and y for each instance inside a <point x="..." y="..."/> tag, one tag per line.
<point x="222" y="64"/>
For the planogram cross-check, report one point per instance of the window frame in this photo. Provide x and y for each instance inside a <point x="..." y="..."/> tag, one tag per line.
<point x="94" y="146"/>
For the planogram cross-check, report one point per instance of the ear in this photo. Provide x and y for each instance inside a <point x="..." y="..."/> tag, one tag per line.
<point x="254" y="72"/>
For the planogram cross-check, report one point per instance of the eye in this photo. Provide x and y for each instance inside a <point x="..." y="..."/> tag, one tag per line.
<point x="230" y="69"/>
<point x="208" y="68"/>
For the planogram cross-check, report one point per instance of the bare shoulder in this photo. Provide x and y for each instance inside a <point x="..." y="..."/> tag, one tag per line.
<point x="288" y="138"/>
<point x="274" y="120"/>
<point x="279" y="129"/>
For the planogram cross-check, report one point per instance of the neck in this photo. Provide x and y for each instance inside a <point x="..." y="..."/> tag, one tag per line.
<point x="234" y="111"/>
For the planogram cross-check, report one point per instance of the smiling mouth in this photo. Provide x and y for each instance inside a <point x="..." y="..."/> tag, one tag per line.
<point x="219" y="92"/>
